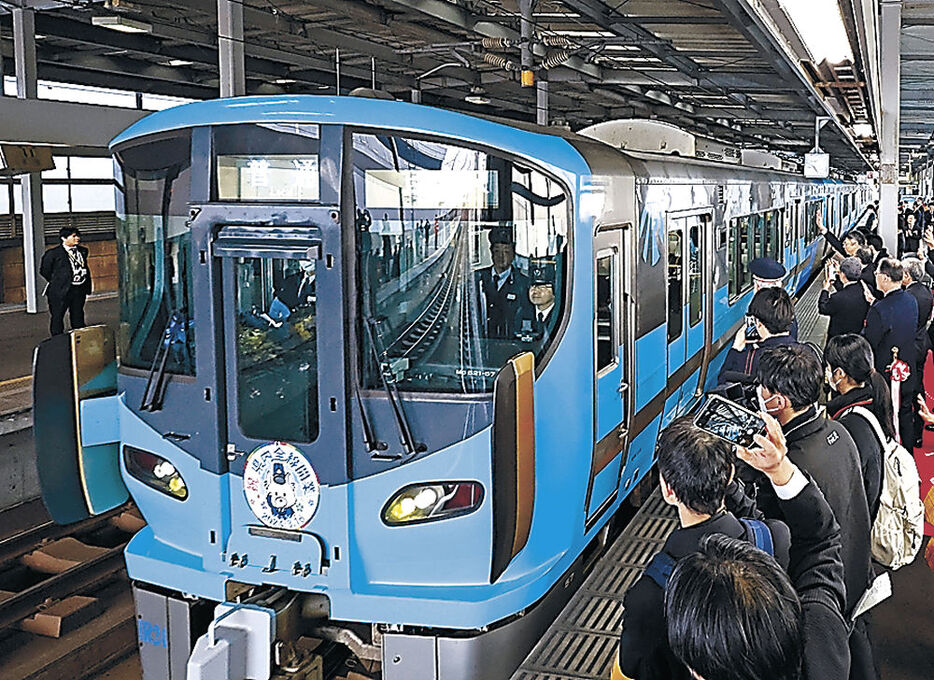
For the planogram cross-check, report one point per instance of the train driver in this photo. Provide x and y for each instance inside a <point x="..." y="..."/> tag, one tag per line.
<point x="542" y="296"/>
<point x="503" y="289"/>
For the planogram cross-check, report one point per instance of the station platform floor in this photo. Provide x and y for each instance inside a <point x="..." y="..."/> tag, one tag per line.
<point x="581" y="643"/>
<point x="20" y="332"/>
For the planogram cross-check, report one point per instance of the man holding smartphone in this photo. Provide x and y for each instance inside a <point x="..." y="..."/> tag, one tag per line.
<point x="772" y="313"/>
<point x="733" y="613"/>
<point x="694" y="468"/>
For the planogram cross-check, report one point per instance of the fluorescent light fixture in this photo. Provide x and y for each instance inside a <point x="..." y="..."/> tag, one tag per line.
<point x="177" y="62"/>
<point x="863" y="130"/>
<point x="476" y="99"/>
<point x="284" y="81"/>
<point x="820" y="26"/>
<point x="122" y="24"/>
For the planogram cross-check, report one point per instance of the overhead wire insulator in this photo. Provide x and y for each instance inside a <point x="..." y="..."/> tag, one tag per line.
<point x="497" y="43"/>
<point x="500" y="61"/>
<point x="554" y="41"/>
<point x="555" y="59"/>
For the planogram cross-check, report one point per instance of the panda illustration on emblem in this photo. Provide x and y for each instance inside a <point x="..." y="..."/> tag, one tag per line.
<point x="281" y="486"/>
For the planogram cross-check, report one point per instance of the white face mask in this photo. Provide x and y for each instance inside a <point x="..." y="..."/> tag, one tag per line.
<point x="763" y="402"/>
<point x="828" y="377"/>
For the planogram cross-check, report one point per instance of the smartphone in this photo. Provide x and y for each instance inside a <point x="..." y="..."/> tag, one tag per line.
<point x="728" y="420"/>
<point x="752" y="333"/>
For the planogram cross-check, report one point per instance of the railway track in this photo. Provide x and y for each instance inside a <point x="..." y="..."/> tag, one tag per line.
<point x="65" y="605"/>
<point x="420" y="335"/>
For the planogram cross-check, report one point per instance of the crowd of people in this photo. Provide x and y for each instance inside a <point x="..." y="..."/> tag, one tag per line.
<point x="771" y="572"/>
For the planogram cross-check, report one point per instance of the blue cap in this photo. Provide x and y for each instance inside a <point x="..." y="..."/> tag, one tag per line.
<point x="766" y="268"/>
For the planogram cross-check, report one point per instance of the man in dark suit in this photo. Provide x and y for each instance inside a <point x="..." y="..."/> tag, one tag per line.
<point x="66" y="269"/>
<point x="892" y="322"/>
<point x="914" y="272"/>
<point x="846" y="306"/>
<point x="503" y="290"/>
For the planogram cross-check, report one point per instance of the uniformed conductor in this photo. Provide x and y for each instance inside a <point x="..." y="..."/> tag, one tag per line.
<point x="65" y="267"/>
<point x="503" y="290"/>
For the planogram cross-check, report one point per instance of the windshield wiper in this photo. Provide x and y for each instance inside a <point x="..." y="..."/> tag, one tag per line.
<point x="154" y="394"/>
<point x="392" y="393"/>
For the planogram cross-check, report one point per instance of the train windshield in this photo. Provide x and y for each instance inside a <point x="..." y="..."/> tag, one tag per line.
<point x="154" y="242"/>
<point x="461" y="259"/>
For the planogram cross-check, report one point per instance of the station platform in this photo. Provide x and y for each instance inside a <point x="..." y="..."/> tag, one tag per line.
<point x="20" y="332"/>
<point x="581" y="644"/>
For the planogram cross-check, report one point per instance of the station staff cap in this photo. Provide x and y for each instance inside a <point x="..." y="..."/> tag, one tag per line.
<point x="766" y="268"/>
<point x="500" y="235"/>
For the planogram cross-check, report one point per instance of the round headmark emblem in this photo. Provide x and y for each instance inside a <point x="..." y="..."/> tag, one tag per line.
<point x="281" y="487"/>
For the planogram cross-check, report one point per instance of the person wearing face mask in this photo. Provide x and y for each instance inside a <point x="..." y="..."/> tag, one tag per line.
<point x="790" y="381"/>
<point x="849" y="371"/>
<point x="772" y="312"/>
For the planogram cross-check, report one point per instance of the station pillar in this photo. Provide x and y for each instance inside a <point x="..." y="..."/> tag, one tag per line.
<point x="890" y="30"/>
<point x="24" y="54"/>
<point x="230" y="54"/>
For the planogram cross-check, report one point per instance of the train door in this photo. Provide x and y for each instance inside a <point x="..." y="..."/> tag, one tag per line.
<point x="281" y="312"/>
<point x="687" y="293"/>
<point x="612" y="365"/>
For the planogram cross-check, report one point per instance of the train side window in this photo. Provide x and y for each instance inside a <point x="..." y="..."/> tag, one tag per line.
<point x="741" y="249"/>
<point x="606" y="333"/>
<point x="675" y="284"/>
<point x="810" y="224"/>
<point x="772" y="235"/>
<point x="758" y="230"/>
<point x="695" y="268"/>
<point x="787" y="227"/>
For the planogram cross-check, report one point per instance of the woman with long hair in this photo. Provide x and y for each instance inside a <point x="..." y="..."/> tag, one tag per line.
<point x="850" y="372"/>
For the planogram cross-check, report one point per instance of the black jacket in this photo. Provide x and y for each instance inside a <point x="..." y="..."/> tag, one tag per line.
<point x="816" y="571"/>
<point x="826" y="451"/>
<point x="644" y="653"/>
<point x="893" y="322"/>
<point x="922" y="295"/>
<point x="846" y="308"/>
<point x="55" y="268"/>
<point x="506" y="307"/>
<point x="864" y="436"/>
<point x="741" y="367"/>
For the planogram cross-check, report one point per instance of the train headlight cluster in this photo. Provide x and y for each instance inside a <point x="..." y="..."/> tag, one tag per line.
<point x="155" y="471"/>
<point x="432" y="501"/>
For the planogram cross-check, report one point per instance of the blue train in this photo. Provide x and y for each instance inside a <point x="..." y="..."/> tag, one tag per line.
<point x="384" y="372"/>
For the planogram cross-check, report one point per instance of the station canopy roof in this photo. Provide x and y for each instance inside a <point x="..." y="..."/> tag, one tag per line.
<point x="709" y="66"/>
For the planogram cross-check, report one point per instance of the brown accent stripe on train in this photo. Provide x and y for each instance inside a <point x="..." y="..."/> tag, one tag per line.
<point x="513" y="461"/>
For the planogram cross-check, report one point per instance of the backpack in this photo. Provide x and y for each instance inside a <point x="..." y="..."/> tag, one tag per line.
<point x="662" y="564"/>
<point x="899" y="526"/>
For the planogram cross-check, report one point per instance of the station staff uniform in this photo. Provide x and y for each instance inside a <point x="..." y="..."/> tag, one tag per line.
<point x="69" y="283"/>
<point x="769" y="273"/>
<point x="644" y="653"/>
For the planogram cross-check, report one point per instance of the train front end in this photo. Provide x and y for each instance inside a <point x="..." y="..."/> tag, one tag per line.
<point x="348" y="389"/>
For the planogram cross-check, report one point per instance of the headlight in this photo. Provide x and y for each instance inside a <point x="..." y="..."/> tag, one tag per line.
<point x="432" y="501"/>
<point x="155" y="471"/>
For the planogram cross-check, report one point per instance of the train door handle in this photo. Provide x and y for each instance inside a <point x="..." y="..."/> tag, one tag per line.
<point x="623" y="387"/>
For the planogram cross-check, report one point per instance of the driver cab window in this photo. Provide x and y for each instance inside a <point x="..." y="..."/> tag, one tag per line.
<point x="277" y="359"/>
<point x="462" y="259"/>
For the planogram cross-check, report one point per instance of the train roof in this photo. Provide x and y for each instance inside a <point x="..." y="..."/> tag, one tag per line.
<point x="539" y="144"/>
<point x="568" y="150"/>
